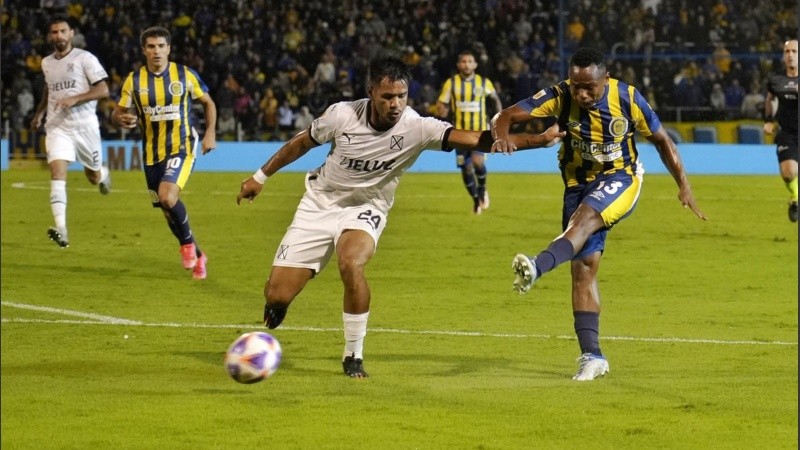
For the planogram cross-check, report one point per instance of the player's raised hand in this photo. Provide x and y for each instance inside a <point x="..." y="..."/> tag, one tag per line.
<point x="250" y="188"/>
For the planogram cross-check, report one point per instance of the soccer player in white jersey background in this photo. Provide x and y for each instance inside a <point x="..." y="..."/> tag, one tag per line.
<point x="347" y="200"/>
<point x="74" y="81"/>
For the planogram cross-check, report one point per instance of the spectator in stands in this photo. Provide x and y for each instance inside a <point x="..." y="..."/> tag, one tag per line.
<point x="722" y="58"/>
<point x="734" y="95"/>
<point x="753" y="103"/>
<point x="717" y="100"/>
<point x="325" y="73"/>
<point x="285" y="120"/>
<point x="25" y="104"/>
<point x="226" y="125"/>
<point x="344" y="87"/>
<point x="303" y="119"/>
<point x="245" y="110"/>
<point x="575" y="30"/>
<point x="268" y="112"/>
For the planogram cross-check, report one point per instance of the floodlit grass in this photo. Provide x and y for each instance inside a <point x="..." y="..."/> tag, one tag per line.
<point x="699" y="323"/>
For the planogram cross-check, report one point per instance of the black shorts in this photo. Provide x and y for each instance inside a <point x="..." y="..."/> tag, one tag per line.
<point x="787" y="147"/>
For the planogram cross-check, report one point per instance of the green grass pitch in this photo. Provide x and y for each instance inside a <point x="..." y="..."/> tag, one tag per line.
<point x="699" y="323"/>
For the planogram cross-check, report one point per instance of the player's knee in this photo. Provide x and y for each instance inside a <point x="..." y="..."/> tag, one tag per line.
<point x="351" y="266"/>
<point x="278" y="295"/>
<point x="167" y="200"/>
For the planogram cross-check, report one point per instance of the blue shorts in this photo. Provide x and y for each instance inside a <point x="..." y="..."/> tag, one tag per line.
<point x="613" y="196"/>
<point x="175" y="169"/>
<point x="464" y="157"/>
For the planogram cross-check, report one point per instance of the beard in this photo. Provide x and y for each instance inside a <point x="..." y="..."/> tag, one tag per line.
<point x="61" y="45"/>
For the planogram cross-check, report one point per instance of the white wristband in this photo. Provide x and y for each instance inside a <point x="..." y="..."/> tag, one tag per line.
<point x="260" y="176"/>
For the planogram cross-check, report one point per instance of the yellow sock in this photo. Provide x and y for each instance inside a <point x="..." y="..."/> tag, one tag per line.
<point x="792" y="187"/>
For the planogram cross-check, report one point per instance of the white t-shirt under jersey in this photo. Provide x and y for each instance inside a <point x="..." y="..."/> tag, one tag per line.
<point x="365" y="165"/>
<point x="73" y="74"/>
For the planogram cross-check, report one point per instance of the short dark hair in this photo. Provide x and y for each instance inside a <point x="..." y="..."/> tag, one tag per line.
<point x="586" y="56"/>
<point x="59" y="18"/>
<point x="389" y="67"/>
<point x="156" y="32"/>
<point x="465" y="53"/>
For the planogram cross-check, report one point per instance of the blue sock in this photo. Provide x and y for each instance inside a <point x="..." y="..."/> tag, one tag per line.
<point x="180" y="222"/>
<point x="469" y="181"/>
<point x="480" y="175"/>
<point x="173" y="228"/>
<point x="558" y="252"/>
<point x="587" y="326"/>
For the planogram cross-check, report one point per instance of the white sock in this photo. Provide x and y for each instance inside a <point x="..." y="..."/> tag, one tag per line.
<point x="355" y="328"/>
<point x="58" y="204"/>
<point x="103" y="174"/>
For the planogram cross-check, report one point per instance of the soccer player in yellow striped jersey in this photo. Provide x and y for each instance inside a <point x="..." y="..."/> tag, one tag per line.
<point x="602" y="176"/>
<point x="161" y="93"/>
<point x="464" y="95"/>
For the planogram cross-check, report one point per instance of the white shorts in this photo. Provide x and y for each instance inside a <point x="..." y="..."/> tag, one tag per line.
<point x="311" y="239"/>
<point x="85" y="145"/>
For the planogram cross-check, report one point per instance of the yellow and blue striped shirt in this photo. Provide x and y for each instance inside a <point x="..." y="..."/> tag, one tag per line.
<point x="163" y="105"/>
<point x="467" y="100"/>
<point x="599" y="139"/>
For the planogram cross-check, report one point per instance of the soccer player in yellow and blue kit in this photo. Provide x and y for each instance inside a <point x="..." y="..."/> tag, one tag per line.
<point x="161" y="92"/>
<point x="602" y="176"/>
<point x="464" y="94"/>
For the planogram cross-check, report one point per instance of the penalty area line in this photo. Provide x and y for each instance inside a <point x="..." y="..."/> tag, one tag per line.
<point x="397" y="331"/>
<point x="68" y="312"/>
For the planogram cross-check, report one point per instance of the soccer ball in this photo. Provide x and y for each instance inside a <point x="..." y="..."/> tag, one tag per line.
<point x="253" y="357"/>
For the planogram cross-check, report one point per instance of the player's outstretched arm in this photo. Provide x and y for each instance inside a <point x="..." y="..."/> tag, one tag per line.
<point x="548" y="138"/>
<point x="672" y="160"/>
<point x="501" y="128"/>
<point x="296" y="147"/>
<point x="482" y="140"/>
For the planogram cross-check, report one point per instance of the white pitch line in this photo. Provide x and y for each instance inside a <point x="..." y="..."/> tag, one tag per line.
<point x="397" y="331"/>
<point x="36" y="186"/>
<point x="67" y="312"/>
<point x="45" y="185"/>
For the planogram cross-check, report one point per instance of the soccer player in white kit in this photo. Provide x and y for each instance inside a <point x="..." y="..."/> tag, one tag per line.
<point x="74" y="81"/>
<point x="347" y="200"/>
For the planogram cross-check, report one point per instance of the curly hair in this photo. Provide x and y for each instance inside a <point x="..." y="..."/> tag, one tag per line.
<point x="586" y="57"/>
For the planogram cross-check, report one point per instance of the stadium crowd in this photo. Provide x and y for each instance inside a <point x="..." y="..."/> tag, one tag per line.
<point x="273" y="65"/>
